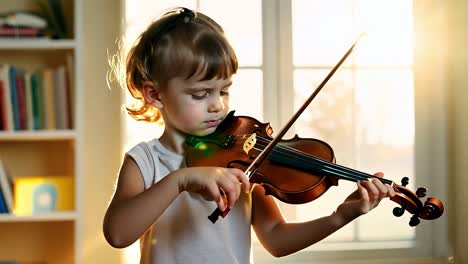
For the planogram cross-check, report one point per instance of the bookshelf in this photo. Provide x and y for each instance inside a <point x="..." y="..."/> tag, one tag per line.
<point x="49" y="237"/>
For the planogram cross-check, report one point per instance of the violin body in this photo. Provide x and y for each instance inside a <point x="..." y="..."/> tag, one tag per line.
<point x="306" y="185"/>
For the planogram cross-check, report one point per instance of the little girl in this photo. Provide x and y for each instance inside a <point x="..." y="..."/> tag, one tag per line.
<point x="180" y="69"/>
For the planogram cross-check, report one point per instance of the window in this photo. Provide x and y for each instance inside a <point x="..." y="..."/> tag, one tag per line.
<point x="366" y="112"/>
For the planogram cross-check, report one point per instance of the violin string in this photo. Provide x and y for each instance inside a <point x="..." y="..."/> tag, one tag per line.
<point x="312" y="165"/>
<point x="318" y="168"/>
<point x="331" y="167"/>
<point x="289" y="152"/>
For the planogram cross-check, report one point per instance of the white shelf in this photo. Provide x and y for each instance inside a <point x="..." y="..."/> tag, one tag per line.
<point x="37" y="135"/>
<point x="44" y="217"/>
<point x="34" y="43"/>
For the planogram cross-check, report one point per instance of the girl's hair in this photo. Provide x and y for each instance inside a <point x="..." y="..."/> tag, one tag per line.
<point x="182" y="43"/>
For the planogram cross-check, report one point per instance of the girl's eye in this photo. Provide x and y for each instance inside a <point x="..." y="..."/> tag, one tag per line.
<point x="200" y="95"/>
<point x="225" y="93"/>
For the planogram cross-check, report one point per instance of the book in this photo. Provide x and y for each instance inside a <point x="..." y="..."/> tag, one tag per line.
<point x="14" y="98"/>
<point x="3" y="206"/>
<point x="21" y="99"/>
<point x="37" y="101"/>
<point x="49" y="98"/>
<point x="6" y="31"/>
<point x="2" y="107"/>
<point x="41" y="99"/>
<point x="28" y="96"/>
<point x="70" y="69"/>
<point x="6" y="186"/>
<point x="5" y="77"/>
<point x="61" y="98"/>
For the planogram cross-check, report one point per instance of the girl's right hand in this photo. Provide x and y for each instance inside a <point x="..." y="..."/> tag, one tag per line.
<point x="214" y="183"/>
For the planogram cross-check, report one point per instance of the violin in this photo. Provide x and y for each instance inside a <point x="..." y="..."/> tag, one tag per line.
<point x="295" y="171"/>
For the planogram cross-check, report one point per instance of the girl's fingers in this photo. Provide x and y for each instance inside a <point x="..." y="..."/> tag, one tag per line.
<point x="386" y="189"/>
<point x="215" y="193"/>
<point x="225" y="186"/>
<point x="362" y="191"/>
<point x="372" y="190"/>
<point x="229" y="189"/>
<point x="382" y="189"/>
<point x="379" y="174"/>
<point x="232" y="188"/>
<point x="236" y="183"/>
<point x="391" y="191"/>
<point x="242" y="178"/>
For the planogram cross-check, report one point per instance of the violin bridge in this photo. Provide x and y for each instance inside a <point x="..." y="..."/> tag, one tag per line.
<point x="249" y="143"/>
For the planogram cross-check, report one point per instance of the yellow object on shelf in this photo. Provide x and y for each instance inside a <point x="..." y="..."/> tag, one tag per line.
<point x="43" y="194"/>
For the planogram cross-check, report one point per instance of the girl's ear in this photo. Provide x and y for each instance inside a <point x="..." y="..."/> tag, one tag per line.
<point x="152" y="93"/>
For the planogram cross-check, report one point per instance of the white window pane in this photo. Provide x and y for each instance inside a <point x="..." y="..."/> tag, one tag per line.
<point x="242" y="22"/>
<point x="322" y="31"/>
<point x="389" y="25"/>
<point x="328" y="118"/>
<point x="385" y="101"/>
<point x="246" y="93"/>
<point x="385" y="142"/>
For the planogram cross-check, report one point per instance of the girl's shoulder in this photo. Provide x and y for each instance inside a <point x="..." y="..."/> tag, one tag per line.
<point x="154" y="146"/>
<point x="146" y="156"/>
<point x="154" y="160"/>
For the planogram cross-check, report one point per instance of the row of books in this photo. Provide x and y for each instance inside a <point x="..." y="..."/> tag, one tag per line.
<point x="33" y="100"/>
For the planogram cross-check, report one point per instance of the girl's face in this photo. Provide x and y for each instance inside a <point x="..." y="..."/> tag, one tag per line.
<point x="195" y="107"/>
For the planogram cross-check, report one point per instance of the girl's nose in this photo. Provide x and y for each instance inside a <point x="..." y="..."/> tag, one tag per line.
<point x="216" y="104"/>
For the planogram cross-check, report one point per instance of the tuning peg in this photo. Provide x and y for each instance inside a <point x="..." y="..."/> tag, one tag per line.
<point x="414" y="221"/>
<point x="421" y="192"/>
<point x="399" y="211"/>
<point x="404" y="181"/>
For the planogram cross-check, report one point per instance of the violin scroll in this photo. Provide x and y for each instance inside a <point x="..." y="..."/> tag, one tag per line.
<point x="410" y="201"/>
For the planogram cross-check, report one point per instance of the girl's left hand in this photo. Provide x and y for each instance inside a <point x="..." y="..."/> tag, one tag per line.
<point x="367" y="196"/>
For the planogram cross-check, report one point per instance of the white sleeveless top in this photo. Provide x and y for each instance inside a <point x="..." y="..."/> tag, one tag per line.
<point x="183" y="233"/>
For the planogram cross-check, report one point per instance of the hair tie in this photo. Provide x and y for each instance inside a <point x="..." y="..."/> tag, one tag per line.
<point x="187" y="14"/>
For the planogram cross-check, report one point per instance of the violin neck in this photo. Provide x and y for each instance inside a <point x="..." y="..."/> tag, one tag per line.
<point x="300" y="160"/>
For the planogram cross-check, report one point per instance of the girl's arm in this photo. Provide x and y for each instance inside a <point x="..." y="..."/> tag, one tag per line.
<point x="281" y="238"/>
<point x="133" y="210"/>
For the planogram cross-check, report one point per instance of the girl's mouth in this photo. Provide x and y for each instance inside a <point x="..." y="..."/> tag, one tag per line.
<point x="212" y="123"/>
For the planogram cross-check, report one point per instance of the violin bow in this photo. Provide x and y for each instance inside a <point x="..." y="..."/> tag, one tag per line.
<point x="264" y="153"/>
